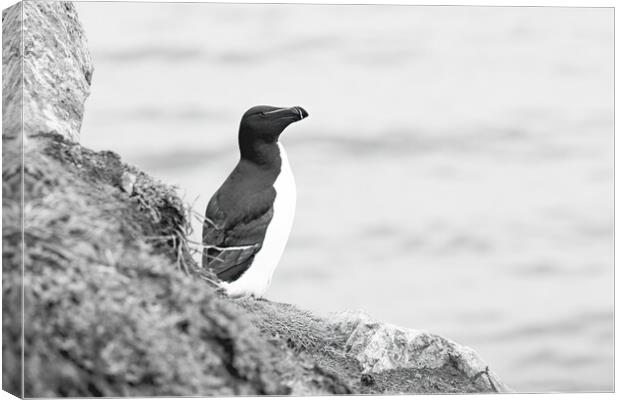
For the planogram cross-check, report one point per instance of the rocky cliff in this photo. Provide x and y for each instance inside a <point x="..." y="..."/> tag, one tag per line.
<point x="44" y="49"/>
<point x="113" y="301"/>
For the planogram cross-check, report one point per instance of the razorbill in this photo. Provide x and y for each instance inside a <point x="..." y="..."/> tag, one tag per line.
<point x="249" y="218"/>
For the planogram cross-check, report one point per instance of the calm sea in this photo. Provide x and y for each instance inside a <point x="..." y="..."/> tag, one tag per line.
<point x="455" y="174"/>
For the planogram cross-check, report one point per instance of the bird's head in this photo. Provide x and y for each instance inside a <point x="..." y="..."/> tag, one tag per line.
<point x="266" y="123"/>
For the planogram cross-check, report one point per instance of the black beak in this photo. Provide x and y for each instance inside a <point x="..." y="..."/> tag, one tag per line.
<point x="302" y="113"/>
<point x="296" y="112"/>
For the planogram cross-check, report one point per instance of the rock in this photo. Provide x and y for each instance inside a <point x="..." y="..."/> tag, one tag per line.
<point x="57" y="69"/>
<point x="371" y="357"/>
<point x="380" y="347"/>
<point x="12" y="71"/>
<point x="128" y="180"/>
<point x="109" y="310"/>
<point x="116" y="305"/>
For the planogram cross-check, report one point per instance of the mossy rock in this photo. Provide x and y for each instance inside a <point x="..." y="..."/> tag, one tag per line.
<point x="109" y="308"/>
<point x="115" y="305"/>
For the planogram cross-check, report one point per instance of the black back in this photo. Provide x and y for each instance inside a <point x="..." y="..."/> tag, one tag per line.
<point x="240" y="211"/>
<point x="237" y="218"/>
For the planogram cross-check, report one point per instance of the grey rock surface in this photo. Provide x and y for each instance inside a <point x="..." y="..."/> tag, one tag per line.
<point x="380" y="347"/>
<point x="57" y="69"/>
<point x="372" y="357"/>
<point x="12" y="71"/>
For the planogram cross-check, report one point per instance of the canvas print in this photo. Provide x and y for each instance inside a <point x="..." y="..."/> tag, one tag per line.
<point x="217" y="199"/>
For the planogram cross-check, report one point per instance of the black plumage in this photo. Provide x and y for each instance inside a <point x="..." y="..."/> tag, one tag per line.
<point x="239" y="213"/>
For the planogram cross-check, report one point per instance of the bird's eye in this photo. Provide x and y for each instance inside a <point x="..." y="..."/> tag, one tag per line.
<point x="262" y="114"/>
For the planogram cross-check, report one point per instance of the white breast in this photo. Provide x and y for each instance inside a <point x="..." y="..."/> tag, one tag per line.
<point x="257" y="278"/>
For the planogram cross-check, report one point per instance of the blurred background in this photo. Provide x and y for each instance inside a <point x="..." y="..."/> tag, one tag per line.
<point x="455" y="174"/>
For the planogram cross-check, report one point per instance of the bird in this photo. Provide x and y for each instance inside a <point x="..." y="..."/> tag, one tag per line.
<point x="249" y="218"/>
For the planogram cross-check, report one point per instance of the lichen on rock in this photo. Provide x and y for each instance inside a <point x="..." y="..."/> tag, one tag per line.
<point x="380" y="347"/>
<point x="12" y="63"/>
<point x="57" y="69"/>
<point x="372" y="357"/>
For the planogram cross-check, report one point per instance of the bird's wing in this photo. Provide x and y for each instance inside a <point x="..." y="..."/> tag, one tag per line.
<point x="229" y="263"/>
<point x="232" y="241"/>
